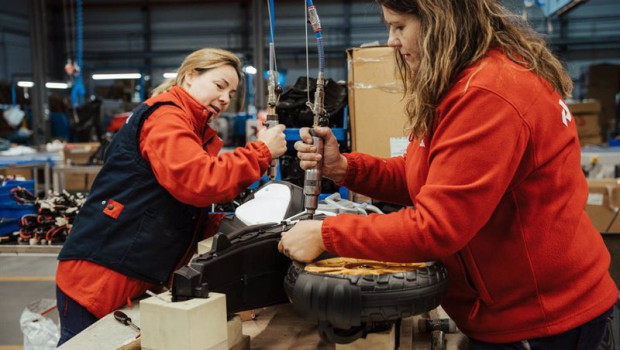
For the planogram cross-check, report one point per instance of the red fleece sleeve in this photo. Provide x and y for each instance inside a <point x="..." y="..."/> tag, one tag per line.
<point x="379" y="178"/>
<point x="475" y="152"/>
<point x="187" y="171"/>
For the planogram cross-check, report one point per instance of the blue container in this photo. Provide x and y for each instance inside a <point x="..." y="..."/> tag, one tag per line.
<point x="8" y="226"/>
<point x="28" y="184"/>
<point x="8" y="185"/>
<point x="16" y="210"/>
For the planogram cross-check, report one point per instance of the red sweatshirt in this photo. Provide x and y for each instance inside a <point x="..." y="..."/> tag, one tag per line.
<point x="498" y="196"/>
<point x="183" y="152"/>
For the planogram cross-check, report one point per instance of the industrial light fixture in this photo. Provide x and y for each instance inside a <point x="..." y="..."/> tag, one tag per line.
<point x="25" y="84"/>
<point x="169" y="75"/>
<point x="116" y="76"/>
<point x="53" y="85"/>
<point x="49" y="85"/>
<point x="249" y="70"/>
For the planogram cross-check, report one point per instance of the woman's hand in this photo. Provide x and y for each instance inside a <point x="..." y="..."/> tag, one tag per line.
<point x="303" y="242"/>
<point x="274" y="139"/>
<point x="334" y="163"/>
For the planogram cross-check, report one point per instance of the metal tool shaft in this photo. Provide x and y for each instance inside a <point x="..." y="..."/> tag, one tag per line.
<point x="312" y="181"/>
<point x="272" y="120"/>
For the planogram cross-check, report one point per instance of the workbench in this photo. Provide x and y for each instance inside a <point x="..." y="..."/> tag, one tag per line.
<point x="34" y="162"/>
<point x="60" y="171"/>
<point x="274" y="328"/>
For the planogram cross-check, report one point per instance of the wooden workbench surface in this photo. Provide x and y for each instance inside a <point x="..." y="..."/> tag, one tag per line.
<point x="274" y="328"/>
<point x="280" y="328"/>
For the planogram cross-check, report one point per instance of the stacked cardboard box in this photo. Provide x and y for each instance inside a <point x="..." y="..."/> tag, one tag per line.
<point x="603" y="204"/>
<point x="376" y="101"/>
<point x="376" y="104"/>
<point x="79" y="154"/>
<point x="586" y="116"/>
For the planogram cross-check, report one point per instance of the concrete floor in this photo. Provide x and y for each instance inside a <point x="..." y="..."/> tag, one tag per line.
<point x="24" y="278"/>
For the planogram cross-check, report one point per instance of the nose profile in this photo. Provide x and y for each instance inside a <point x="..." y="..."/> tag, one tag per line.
<point x="225" y="99"/>
<point x="392" y="41"/>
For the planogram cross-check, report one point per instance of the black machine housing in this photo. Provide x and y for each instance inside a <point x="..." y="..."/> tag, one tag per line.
<point x="243" y="263"/>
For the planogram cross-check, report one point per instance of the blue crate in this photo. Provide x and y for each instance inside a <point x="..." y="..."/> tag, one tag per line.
<point x="16" y="210"/>
<point x="21" y="183"/>
<point x="8" y="226"/>
<point x="8" y="185"/>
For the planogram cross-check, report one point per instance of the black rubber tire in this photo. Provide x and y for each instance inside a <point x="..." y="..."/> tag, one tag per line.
<point x="355" y="305"/>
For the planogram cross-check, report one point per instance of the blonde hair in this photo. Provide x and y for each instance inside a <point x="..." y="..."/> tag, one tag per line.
<point x="454" y="35"/>
<point x="201" y="61"/>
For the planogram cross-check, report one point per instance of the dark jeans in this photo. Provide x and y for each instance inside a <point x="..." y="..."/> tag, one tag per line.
<point x="74" y="318"/>
<point x="585" y="337"/>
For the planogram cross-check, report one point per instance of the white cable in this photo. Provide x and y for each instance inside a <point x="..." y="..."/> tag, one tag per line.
<point x="372" y="208"/>
<point x="338" y="205"/>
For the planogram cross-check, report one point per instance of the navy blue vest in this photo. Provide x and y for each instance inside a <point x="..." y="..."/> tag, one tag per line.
<point x="130" y="223"/>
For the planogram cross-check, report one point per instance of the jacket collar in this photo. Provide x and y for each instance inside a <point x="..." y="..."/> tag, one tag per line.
<point x="189" y="103"/>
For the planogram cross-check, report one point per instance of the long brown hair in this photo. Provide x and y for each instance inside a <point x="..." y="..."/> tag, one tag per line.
<point x="201" y="61"/>
<point x="454" y="35"/>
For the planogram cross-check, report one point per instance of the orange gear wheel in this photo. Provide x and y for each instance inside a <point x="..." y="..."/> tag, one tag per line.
<point x="351" y="266"/>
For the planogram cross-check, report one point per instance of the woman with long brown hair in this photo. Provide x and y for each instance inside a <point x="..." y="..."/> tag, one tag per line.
<point x="491" y="181"/>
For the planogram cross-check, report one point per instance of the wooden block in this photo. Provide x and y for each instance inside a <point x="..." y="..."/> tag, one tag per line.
<point x="243" y="344"/>
<point x="247" y="315"/>
<point x="132" y="345"/>
<point x="234" y="331"/>
<point x="204" y="246"/>
<point x="375" y="341"/>
<point x="107" y="334"/>
<point x="196" y="324"/>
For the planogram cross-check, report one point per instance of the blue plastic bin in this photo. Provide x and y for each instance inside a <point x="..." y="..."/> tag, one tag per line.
<point x="8" y="226"/>
<point x="8" y="185"/>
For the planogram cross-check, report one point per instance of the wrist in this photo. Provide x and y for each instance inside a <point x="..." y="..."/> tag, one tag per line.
<point x="319" y="235"/>
<point x="338" y="173"/>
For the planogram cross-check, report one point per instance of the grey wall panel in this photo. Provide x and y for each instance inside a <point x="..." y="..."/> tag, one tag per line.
<point x="14" y="43"/>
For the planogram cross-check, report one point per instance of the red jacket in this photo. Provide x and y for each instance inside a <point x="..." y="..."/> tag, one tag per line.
<point x="172" y="141"/>
<point x="498" y="196"/>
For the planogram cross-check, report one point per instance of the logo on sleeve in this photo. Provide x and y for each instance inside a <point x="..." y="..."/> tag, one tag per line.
<point x="566" y="117"/>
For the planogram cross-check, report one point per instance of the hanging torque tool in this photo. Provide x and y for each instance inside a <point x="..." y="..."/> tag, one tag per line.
<point x="274" y="90"/>
<point x="313" y="176"/>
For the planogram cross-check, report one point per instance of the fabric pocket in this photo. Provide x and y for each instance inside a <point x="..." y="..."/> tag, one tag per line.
<point x="473" y="276"/>
<point x="113" y="209"/>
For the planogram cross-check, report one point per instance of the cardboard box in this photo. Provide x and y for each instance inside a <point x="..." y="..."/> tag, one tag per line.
<point x="586" y="115"/>
<point x="26" y="173"/>
<point x="79" y="154"/>
<point x="376" y="103"/>
<point x="603" y="204"/>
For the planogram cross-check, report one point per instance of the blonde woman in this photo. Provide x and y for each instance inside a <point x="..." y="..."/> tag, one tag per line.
<point x="491" y="181"/>
<point x="141" y="219"/>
